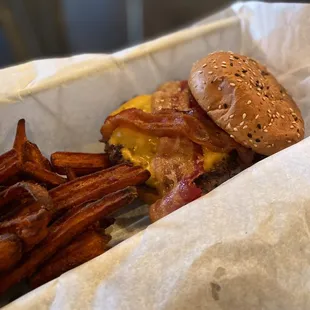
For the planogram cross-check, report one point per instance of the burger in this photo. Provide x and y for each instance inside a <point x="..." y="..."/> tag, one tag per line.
<point x="194" y="135"/>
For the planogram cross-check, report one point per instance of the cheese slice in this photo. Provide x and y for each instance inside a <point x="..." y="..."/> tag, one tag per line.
<point x="140" y="148"/>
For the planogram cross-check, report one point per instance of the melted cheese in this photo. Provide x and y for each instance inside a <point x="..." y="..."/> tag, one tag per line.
<point x="212" y="158"/>
<point x="143" y="102"/>
<point x="140" y="148"/>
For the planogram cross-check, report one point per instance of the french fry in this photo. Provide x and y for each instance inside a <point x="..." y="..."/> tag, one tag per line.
<point x="60" y="235"/>
<point x="83" y="248"/>
<point x="32" y="153"/>
<point x="96" y="185"/>
<point x="20" y="137"/>
<point x="23" y="190"/>
<point x="31" y="229"/>
<point x="10" y="251"/>
<point x="70" y="173"/>
<point x="80" y="163"/>
<point x="41" y="174"/>
<point x="9" y="165"/>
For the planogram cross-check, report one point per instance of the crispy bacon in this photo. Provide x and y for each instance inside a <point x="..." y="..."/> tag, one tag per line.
<point x="175" y="159"/>
<point x="183" y="193"/>
<point x="170" y="124"/>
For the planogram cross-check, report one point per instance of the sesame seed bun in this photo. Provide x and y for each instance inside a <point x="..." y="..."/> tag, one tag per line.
<point x="246" y="101"/>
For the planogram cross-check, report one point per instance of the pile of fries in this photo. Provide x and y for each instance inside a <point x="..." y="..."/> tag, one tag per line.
<point x="53" y="214"/>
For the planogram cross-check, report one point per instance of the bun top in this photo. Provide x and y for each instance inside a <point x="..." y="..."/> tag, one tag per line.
<point x="246" y="101"/>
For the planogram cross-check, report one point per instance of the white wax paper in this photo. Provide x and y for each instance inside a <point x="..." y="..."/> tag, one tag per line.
<point x="246" y="244"/>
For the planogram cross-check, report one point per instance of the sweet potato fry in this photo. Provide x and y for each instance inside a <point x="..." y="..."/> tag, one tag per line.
<point x="25" y="190"/>
<point x="81" y="163"/>
<point x="20" y="137"/>
<point x="9" y="165"/>
<point x="41" y="174"/>
<point x="83" y="248"/>
<point x="32" y="153"/>
<point x="10" y="251"/>
<point x="31" y="229"/>
<point x="71" y="175"/>
<point x="96" y="185"/>
<point x="62" y="234"/>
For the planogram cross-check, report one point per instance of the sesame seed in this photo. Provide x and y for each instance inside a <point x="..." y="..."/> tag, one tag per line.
<point x="162" y="100"/>
<point x="228" y="126"/>
<point x="264" y="98"/>
<point x="243" y="116"/>
<point x="231" y="116"/>
<point x="249" y="102"/>
<point x="215" y="67"/>
<point x="291" y="126"/>
<point x="289" y="141"/>
<point x="208" y="107"/>
<point x="258" y="93"/>
<point x="251" y="87"/>
<point x="223" y="62"/>
<point x="273" y="115"/>
<point x="282" y="116"/>
<point x="268" y="145"/>
<point x="268" y="111"/>
<point x="298" y="135"/>
<point x="241" y="124"/>
<point x="204" y="65"/>
<point x="244" y="127"/>
<point x="242" y="75"/>
<point x="294" y="122"/>
<point x="220" y="106"/>
<point x="269" y="124"/>
<point x="219" y="88"/>
<point x="223" y="66"/>
<point x="232" y="136"/>
<point x="239" y="80"/>
<point x="200" y="72"/>
<point x="235" y="129"/>
<point x="251" y="140"/>
<point x="265" y="130"/>
<point x="232" y="84"/>
<point x="257" y="116"/>
<point x="278" y="114"/>
<point x="291" y="110"/>
<point x="210" y="72"/>
<point x="255" y="145"/>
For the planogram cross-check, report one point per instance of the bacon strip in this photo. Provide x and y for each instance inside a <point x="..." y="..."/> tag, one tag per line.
<point x="83" y="248"/>
<point x="81" y="163"/>
<point x="171" y="124"/>
<point x="175" y="159"/>
<point x="61" y="235"/>
<point x="183" y="193"/>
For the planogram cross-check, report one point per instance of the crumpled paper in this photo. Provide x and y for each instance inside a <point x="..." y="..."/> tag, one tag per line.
<point x="246" y="244"/>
